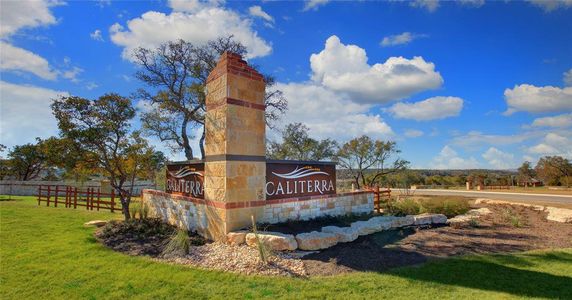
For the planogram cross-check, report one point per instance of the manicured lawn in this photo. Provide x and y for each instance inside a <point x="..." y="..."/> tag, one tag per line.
<point x="46" y="253"/>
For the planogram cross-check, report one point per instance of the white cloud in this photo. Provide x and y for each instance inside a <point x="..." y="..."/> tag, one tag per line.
<point x="314" y="4"/>
<point x="551" y="5"/>
<point x="499" y="159"/>
<point x="429" y="5"/>
<point x="256" y="11"/>
<point x="194" y="22"/>
<point x="430" y="109"/>
<point x="450" y="159"/>
<point x="344" y="68"/>
<point x="564" y="120"/>
<point x="472" y="3"/>
<point x="567" y="78"/>
<point x="329" y="114"/>
<point x="16" y="15"/>
<point x="72" y="74"/>
<point x="91" y="85"/>
<point x="25" y="113"/>
<point x="21" y="60"/>
<point x="526" y="97"/>
<point x="400" y="39"/>
<point x="475" y="139"/>
<point x="96" y="35"/>
<point x="413" y="133"/>
<point x="553" y="144"/>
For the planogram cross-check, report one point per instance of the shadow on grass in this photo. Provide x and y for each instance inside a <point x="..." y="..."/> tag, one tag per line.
<point x="492" y="275"/>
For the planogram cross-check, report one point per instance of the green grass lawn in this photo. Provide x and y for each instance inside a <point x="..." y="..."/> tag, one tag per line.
<point x="46" y="253"/>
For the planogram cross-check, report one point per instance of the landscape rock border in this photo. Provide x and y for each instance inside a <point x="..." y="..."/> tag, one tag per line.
<point x="330" y="236"/>
<point x="561" y="215"/>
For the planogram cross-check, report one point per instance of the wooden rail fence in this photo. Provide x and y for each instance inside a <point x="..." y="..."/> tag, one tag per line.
<point x="72" y="197"/>
<point x="377" y="194"/>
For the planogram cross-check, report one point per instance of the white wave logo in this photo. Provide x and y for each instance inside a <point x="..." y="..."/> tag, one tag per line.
<point x="300" y="173"/>
<point x="184" y="172"/>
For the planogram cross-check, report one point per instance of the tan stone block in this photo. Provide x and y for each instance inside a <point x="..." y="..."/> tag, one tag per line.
<point x="237" y="182"/>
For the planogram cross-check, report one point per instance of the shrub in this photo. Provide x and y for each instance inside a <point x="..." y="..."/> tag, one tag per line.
<point x="404" y="207"/>
<point x="509" y="216"/>
<point x="138" y="228"/>
<point x="179" y="244"/>
<point x="448" y="207"/>
<point x="263" y="251"/>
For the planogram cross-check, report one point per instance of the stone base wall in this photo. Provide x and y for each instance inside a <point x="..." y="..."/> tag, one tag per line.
<point x="210" y="218"/>
<point x="277" y="211"/>
<point x="185" y="212"/>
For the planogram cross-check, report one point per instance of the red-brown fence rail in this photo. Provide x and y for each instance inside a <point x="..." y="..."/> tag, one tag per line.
<point x="497" y="187"/>
<point x="377" y="196"/>
<point x="72" y="197"/>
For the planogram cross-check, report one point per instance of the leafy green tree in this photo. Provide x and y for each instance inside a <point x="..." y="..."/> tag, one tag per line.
<point x="362" y="154"/>
<point x="101" y="129"/>
<point x="297" y="144"/>
<point x="176" y="73"/>
<point x="525" y="173"/>
<point x="554" y="170"/>
<point x="26" y="162"/>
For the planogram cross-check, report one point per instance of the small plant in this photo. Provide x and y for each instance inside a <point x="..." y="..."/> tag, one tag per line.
<point x="263" y="250"/>
<point x="474" y="222"/>
<point x="179" y="244"/>
<point x="509" y="216"/>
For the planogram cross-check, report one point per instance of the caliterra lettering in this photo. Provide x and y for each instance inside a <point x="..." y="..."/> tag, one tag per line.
<point x="292" y="187"/>
<point x="191" y="187"/>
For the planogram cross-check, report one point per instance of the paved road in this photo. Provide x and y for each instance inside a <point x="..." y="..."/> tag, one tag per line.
<point x="520" y="197"/>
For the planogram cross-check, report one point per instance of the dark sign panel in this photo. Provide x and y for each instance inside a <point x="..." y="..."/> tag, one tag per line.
<point x="186" y="179"/>
<point x="289" y="179"/>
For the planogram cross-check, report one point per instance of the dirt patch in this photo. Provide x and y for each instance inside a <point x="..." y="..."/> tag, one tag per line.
<point x="507" y="229"/>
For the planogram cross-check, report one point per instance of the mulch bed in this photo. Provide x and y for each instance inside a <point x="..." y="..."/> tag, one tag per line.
<point x="494" y="233"/>
<point x="410" y="246"/>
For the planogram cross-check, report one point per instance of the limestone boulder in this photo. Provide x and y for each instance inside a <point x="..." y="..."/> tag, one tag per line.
<point x="399" y="222"/>
<point x="423" y="219"/>
<point x="316" y="240"/>
<point x="366" y="227"/>
<point x="561" y="215"/>
<point x="236" y="238"/>
<point x="383" y="222"/>
<point x="275" y="241"/>
<point x="438" y="219"/>
<point x="344" y="234"/>
<point x="460" y="220"/>
<point x="96" y="223"/>
<point x="479" y="212"/>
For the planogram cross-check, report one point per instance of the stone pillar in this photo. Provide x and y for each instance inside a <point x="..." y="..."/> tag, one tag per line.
<point x="235" y="145"/>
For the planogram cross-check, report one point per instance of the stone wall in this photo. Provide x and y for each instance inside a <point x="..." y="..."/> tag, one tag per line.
<point x="277" y="211"/>
<point x="204" y="216"/>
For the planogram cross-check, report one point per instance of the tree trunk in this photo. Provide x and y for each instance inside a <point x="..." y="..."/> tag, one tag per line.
<point x="125" y="206"/>
<point x="186" y="144"/>
<point x="202" y="143"/>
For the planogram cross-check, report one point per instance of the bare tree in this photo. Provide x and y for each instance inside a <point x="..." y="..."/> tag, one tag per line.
<point x="177" y="73"/>
<point x="362" y="155"/>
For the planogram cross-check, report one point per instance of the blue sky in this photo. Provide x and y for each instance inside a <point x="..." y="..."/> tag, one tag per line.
<point x="468" y="84"/>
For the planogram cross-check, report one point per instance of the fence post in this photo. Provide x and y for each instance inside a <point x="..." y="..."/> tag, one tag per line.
<point x="376" y="198"/>
<point x="112" y="200"/>
<point x="92" y="194"/>
<point x="48" y="198"/>
<point x="98" y="198"/>
<point x="75" y="198"/>
<point x="56" y="198"/>
<point x="39" y="193"/>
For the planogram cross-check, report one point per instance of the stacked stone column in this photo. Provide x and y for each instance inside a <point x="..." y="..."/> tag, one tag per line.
<point x="235" y="147"/>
